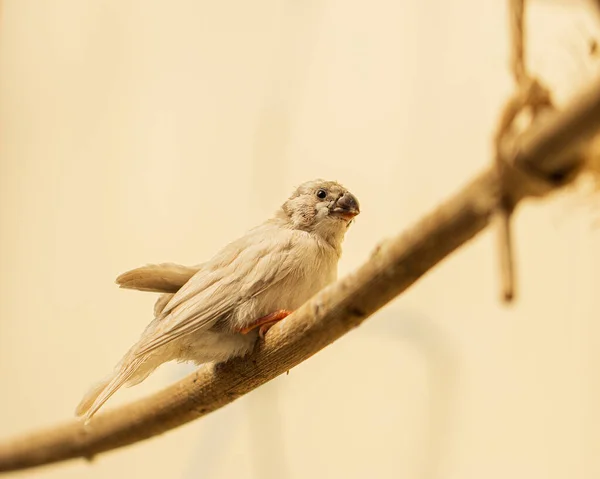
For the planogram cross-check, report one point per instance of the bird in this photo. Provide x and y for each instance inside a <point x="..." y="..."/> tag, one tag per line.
<point x="219" y="309"/>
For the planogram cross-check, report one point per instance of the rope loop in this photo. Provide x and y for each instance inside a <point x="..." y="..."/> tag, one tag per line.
<point x="532" y="99"/>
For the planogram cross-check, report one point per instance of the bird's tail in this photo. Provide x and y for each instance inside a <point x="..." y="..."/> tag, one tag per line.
<point x="159" y="278"/>
<point x="90" y="397"/>
<point x="128" y="373"/>
<point x="165" y="278"/>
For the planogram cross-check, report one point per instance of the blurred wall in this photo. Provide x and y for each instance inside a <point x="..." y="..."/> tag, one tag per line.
<point x="148" y="131"/>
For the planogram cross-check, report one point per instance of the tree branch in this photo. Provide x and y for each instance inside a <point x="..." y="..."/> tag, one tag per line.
<point x="394" y="266"/>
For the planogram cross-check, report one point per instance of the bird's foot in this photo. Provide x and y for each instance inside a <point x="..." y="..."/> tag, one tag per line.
<point x="266" y="322"/>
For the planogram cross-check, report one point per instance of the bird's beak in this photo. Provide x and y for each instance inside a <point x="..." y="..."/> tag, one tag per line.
<point x="346" y="207"/>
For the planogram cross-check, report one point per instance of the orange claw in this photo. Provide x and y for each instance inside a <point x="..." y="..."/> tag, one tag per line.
<point x="266" y="322"/>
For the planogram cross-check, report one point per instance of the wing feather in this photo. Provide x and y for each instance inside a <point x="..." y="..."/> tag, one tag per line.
<point x="221" y="285"/>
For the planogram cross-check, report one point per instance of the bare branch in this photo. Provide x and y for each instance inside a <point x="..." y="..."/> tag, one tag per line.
<point x="394" y="266"/>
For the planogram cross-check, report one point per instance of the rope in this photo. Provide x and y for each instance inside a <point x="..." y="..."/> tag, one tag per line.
<point x="531" y="96"/>
<point x="517" y="33"/>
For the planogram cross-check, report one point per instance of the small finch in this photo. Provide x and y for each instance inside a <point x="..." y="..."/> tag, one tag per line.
<point x="218" y="309"/>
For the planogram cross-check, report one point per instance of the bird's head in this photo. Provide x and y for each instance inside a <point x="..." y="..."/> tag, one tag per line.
<point x="322" y="207"/>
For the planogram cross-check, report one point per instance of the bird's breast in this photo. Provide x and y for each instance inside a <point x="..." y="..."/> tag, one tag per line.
<point x="316" y="268"/>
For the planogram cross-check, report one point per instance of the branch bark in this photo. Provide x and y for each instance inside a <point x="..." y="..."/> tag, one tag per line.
<point x="393" y="267"/>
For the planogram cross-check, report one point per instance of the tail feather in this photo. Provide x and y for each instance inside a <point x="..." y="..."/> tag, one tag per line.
<point x="112" y="387"/>
<point x="159" y="278"/>
<point x="91" y="396"/>
<point x="165" y="278"/>
<point x="102" y="391"/>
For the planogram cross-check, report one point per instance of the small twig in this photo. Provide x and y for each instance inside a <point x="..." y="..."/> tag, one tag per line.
<point x="395" y="266"/>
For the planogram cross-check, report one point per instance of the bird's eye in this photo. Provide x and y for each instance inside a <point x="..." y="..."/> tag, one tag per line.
<point x="322" y="194"/>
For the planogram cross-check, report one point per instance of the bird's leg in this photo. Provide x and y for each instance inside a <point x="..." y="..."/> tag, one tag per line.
<point x="266" y="322"/>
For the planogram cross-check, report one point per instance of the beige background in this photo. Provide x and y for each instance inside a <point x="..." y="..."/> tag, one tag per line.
<point x="144" y="131"/>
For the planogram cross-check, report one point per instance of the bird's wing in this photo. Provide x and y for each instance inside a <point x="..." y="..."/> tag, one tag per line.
<point x="159" y="278"/>
<point x="242" y="270"/>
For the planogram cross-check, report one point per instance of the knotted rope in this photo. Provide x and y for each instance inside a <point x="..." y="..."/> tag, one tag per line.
<point x="533" y="98"/>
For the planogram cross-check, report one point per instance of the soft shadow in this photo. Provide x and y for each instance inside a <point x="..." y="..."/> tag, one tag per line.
<point x="443" y="367"/>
